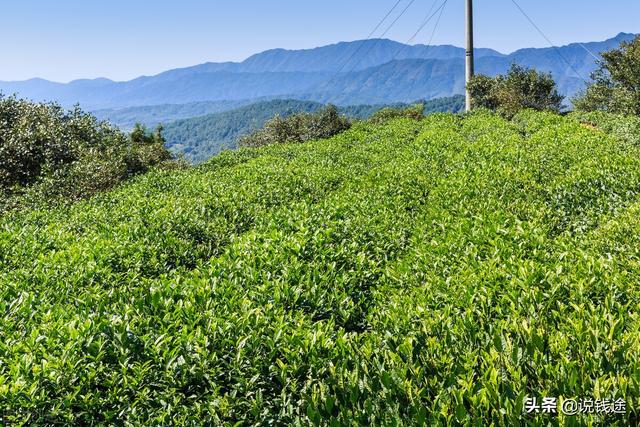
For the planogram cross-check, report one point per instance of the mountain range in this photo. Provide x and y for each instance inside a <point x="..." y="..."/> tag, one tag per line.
<point x="376" y="71"/>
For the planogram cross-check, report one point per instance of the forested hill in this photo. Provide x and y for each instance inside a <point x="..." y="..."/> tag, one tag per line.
<point x="199" y="138"/>
<point x="153" y="115"/>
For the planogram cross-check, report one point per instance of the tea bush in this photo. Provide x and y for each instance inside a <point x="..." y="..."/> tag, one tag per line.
<point x="431" y="272"/>
<point x="48" y="153"/>
<point x="624" y="127"/>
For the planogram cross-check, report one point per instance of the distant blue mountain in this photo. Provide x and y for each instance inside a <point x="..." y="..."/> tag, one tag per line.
<point x="349" y="56"/>
<point x="369" y="72"/>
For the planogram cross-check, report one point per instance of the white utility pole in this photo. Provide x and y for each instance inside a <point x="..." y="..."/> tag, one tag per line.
<point x="470" y="64"/>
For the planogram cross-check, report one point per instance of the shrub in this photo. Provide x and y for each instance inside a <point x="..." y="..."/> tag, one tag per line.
<point x="48" y="153"/>
<point x="415" y="112"/>
<point x="616" y="86"/>
<point x="298" y="128"/>
<point x="519" y="89"/>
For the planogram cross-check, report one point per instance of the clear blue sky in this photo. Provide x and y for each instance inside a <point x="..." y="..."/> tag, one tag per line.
<point x="120" y="39"/>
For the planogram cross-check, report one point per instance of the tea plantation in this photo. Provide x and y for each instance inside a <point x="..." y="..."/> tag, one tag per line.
<point x="434" y="272"/>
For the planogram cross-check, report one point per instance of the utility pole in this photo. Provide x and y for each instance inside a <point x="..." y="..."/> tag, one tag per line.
<point x="469" y="64"/>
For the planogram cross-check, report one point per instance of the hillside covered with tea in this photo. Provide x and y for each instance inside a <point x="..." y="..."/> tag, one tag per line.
<point x="408" y="272"/>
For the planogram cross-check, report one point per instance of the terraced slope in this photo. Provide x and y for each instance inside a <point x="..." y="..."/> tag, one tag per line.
<point x="432" y="272"/>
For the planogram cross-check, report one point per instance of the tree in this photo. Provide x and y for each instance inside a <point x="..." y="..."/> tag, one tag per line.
<point x="616" y="86"/>
<point x="415" y="112"/>
<point x="297" y="128"/>
<point x="520" y="88"/>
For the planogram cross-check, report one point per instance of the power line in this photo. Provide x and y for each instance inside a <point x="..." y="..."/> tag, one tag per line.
<point x="426" y="21"/>
<point x="596" y="57"/>
<point x="384" y="19"/>
<point x="435" y="28"/>
<point x="548" y="40"/>
<point x="361" y="44"/>
<point x="398" y="18"/>
<point x="433" y="33"/>
<point x="389" y="28"/>
<point x="428" y="18"/>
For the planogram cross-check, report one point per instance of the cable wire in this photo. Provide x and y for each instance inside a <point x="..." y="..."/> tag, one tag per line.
<point x="427" y="18"/>
<point x="433" y="33"/>
<point x="596" y="57"/>
<point x="426" y="21"/>
<point x="398" y="18"/>
<point x="548" y="40"/>
<point x="388" y="29"/>
<point x="361" y="44"/>
<point x="335" y="74"/>
<point x="435" y="28"/>
<point x="384" y="19"/>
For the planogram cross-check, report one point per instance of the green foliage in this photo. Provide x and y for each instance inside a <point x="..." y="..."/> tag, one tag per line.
<point x="616" y="86"/>
<point x="415" y="112"/>
<point x="200" y="138"/>
<point x="431" y="272"/>
<point x="47" y="153"/>
<point x="627" y="128"/>
<point x="452" y="104"/>
<point x="298" y="128"/>
<point x="519" y="89"/>
<point x="483" y="89"/>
